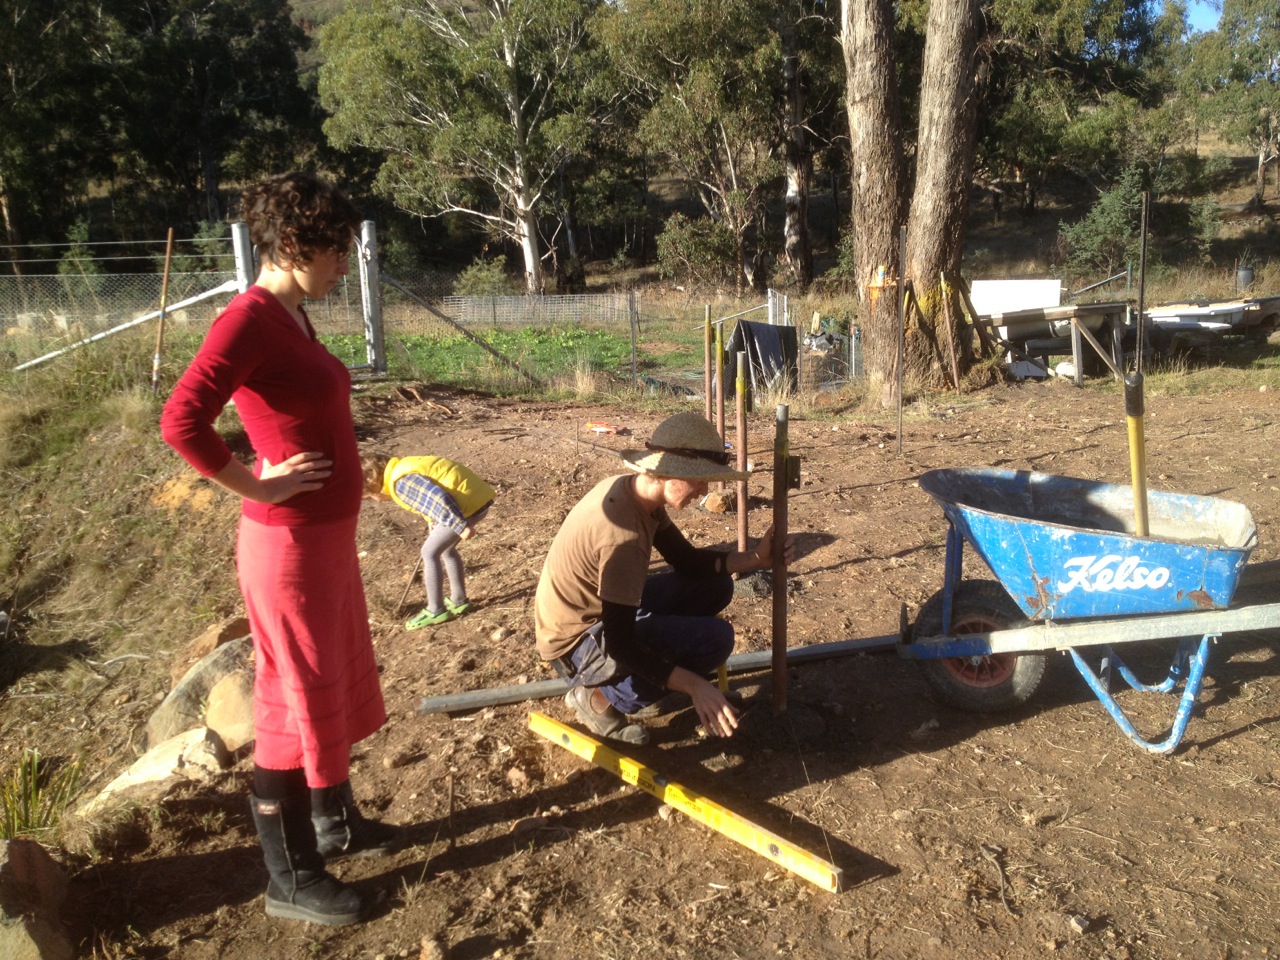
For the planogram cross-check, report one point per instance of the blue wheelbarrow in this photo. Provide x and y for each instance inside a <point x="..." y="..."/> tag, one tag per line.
<point x="1072" y="576"/>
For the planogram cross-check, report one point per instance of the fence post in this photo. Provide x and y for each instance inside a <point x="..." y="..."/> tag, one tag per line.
<point x="244" y="255"/>
<point x="633" y="315"/>
<point x="779" y="308"/>
<point x="371" y="298"/>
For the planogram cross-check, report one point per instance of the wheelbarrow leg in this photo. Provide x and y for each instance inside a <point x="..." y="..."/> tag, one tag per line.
<point x="1177" y="669"/>
<point x="1195" y="678"/>
<point x="952" y="573"/>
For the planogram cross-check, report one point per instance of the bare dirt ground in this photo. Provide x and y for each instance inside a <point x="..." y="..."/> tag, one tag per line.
<point x="1039" y="833"/>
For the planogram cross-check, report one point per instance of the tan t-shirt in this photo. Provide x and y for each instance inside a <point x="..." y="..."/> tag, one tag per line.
<point x="600" y="553"/>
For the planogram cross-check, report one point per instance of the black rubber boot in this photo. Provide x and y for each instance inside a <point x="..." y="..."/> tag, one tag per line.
<point x="299" y="888"/>
<point x="343" y="831"/>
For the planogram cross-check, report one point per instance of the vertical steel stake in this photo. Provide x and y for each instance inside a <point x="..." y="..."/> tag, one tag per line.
<point x="1134" y="406"/>
<point x="634" y="316"/>
<point x="706" y="358"/>
<point x="741" y="393"/>
<point x="781" y="456"/>
<point x="720" y="379"/>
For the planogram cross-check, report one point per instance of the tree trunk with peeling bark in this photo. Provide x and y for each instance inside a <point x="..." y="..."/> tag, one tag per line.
<point x="944" y="167"/>
<point x="797" y="244"/>
<point x="944" y="170"/>
<point x="875" y="148"/>
<point x="10" y="235"/>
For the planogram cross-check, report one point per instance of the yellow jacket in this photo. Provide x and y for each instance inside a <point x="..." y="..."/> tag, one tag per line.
<point x="468" y="491"/>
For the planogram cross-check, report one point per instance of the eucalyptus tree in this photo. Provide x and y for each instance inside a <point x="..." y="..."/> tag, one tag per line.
<point x="1069" y="58"/>
<point x="884" y="199"/>
<point x="710" y="79"/>
<point x="877" y="173"/>
<point x="1075" y="87"/>
<point x="471" y="106"/>
<point x="811" y="116"/>
<point x="51" y="143"/>
<point x="1237" y="70"/>
<point x="206" y="90"/>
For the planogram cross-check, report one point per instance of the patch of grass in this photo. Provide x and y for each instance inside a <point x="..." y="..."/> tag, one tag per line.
<point x="348" y="348"/>
<point x="34" y="797"/>
<point x="1220" y="366"/>
<point x="544" y="352"/>
<point x="504" y="360"/>
<point x="95" y="556"/>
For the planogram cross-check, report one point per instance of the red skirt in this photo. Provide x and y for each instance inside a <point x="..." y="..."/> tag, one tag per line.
<point x="316" y="689"/>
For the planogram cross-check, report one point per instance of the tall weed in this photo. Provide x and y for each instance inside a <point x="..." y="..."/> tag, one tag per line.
<point x="34" y="797"/>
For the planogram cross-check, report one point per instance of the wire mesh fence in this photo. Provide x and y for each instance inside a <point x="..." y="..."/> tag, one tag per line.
<point x="430" y="333"/>
<point x="47" y="312"/>
<point x="606" y="309"/>
<point x="44" y="312"/>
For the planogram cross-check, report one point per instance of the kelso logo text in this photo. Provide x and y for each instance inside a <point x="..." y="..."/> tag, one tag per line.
<point x="1111" y="572"/>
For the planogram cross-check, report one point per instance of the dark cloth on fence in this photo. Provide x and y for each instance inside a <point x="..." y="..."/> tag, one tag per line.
<point x="772" y="354"/>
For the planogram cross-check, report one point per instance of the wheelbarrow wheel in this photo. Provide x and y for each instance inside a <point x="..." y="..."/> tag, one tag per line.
<point x="983" y="684"/>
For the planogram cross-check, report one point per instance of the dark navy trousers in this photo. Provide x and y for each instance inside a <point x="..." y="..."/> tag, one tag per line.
<point x="679" y="618"/>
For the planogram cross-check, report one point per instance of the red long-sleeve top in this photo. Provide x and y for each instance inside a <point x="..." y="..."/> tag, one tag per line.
<point x="292" y="396"/>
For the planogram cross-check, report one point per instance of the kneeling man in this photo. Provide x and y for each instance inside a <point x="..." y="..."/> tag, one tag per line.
<point x="621" y="636"/>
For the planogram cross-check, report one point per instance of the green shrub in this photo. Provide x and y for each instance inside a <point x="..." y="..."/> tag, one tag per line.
<point x="698" y="250"/>
<point x="212" y="252"/>
<point x="845" y="270"/>
<point x="484" y="278"/>
<point x="1204" y="221"/>
<point x="1109" y="235"/>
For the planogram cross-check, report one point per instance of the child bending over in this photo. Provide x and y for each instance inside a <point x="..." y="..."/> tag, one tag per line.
<point x="452" y="500"/>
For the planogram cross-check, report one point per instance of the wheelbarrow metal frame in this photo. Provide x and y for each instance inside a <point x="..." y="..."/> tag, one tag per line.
<point x="1196" y="630"/>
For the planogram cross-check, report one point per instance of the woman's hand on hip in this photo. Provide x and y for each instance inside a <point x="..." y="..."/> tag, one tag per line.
<point x="298" y="474"/>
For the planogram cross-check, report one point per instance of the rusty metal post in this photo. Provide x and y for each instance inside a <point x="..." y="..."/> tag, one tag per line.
<point x="781" y="458"/>
<point x="706" y="358"/>
<point x="741" y="394"/>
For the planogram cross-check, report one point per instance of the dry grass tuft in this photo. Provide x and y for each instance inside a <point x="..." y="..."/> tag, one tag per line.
<point x="134" y="411"/>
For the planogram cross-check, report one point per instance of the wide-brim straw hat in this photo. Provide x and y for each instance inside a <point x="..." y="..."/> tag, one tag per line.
<point x="684" y="447"/>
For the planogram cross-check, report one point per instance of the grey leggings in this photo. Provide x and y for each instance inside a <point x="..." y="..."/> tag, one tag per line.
<point x="440" y="556"/>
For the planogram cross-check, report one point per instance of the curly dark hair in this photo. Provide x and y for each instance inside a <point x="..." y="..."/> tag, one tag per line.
<point x="373" y="466"/>
<point x="294" y="217"/>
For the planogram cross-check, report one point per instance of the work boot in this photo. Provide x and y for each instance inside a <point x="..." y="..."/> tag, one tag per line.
<point x="299" y="888"/>
<point x="343" y="831"/>
<point x="606" y="720"/>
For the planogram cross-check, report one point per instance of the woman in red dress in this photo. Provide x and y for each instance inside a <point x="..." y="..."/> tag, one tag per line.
<point x="316" y="687"/>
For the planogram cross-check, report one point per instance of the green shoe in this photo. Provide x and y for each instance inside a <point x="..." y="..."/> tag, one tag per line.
<point x="428" y="619"/>
<point x="457" y="609"/>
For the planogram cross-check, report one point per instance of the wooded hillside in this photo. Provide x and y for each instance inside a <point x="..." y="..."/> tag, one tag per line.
<point x="540" y="132"/>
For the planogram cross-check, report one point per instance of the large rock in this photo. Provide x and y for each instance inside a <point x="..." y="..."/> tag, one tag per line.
<point x="184" y="707"/>
<point x="32" y="889"/>
<point x="233" y="628"/>
<point x="229" y="715"/>
<point x="193" y="755"/>
<point x="720" y="501"/>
